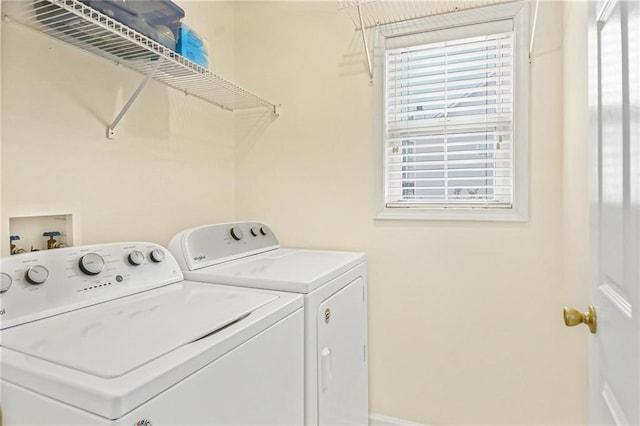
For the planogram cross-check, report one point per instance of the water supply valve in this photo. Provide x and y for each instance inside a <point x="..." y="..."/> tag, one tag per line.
<point x="51" y="242"/>
<point x="13" y="248"/>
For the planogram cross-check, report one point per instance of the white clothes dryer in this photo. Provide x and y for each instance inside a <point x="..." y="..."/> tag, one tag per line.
<point x="112" y="335"/>
<point x="334" y="286"/>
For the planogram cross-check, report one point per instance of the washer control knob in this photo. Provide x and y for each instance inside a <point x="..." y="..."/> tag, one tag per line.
<point x="5" y="282"/>
<point x="91" y="264"/>
<point x="136" y="257"/>
<point x="255" y="231"/>
<point x="157" y="255"/>
<point x="236" y="233"/>
<point x="37" y="274"/>
<point x="263" y="230"/>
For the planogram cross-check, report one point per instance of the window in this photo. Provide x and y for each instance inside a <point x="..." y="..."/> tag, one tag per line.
<point x="452" y="114"/>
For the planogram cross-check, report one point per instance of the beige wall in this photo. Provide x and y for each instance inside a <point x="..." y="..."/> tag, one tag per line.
<point x="2" y="225"/>
<point x="575" y="182"/>
<point x="171" y="166"/>
<point x="465" y="318"/>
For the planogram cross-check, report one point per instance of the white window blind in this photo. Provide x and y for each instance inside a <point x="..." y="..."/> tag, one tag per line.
<point x="449" y="123"/>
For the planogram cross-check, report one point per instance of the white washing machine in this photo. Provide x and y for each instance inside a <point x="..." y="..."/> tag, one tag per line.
<point x="334" y="285"/>
<point x="113" y="335"/>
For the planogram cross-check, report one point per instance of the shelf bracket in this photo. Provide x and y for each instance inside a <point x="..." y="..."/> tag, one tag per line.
<point x="365" y="42"/>
<point x="112" y="129"/>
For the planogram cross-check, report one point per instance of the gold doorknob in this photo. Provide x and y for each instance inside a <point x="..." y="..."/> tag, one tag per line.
<point x="573" y="317"/>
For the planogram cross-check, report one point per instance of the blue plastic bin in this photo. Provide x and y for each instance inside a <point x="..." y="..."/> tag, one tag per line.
<point x="192" y="46"/>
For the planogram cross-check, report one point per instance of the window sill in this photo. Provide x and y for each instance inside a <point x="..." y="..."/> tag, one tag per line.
<point x="452" y="214"/>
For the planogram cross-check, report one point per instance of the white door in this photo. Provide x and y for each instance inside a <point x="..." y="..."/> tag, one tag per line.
<point x="342" y="357"/>
<point x="614" y="104"/>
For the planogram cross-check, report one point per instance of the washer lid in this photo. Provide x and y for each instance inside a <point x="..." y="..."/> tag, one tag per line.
<point x="295" y="270"/>
<point x="116" y="337"/>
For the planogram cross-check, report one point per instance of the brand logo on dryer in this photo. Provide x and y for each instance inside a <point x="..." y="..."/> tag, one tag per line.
<point x="143" y="422"/>
<point x="199" y="258"/>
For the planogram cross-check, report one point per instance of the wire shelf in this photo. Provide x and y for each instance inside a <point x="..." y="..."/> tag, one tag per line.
<point x="382" y="12"/>
<point x="81" y="26"/>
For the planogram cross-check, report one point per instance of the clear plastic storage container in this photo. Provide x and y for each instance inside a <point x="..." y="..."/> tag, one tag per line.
<point x="157" y="19"/>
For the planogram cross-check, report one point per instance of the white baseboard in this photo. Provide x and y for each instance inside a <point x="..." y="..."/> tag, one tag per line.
<point x="376" y="419"/>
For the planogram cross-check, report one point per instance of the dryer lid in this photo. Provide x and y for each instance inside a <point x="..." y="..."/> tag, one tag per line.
<point x="295" y="270"/>
<point x="116" y="337"/>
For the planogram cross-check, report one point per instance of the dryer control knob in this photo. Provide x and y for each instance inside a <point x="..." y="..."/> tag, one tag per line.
<point x="255" y="231"/>
<point x="91" y="264"/>
<point x="5" y="282"/>
<point x="37" y="274"/>
<point x="236" y="233"/>
<point x="157" y="255"/>
<point x="263" y="230"/>
<point x="136" y="257"/>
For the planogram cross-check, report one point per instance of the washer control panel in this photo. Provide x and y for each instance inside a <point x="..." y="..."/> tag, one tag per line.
<point x="213" y="244"/>
<point x="38" y="284"/>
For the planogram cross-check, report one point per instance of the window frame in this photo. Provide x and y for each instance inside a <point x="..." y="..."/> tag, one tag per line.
<point x="517" y="12"/>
